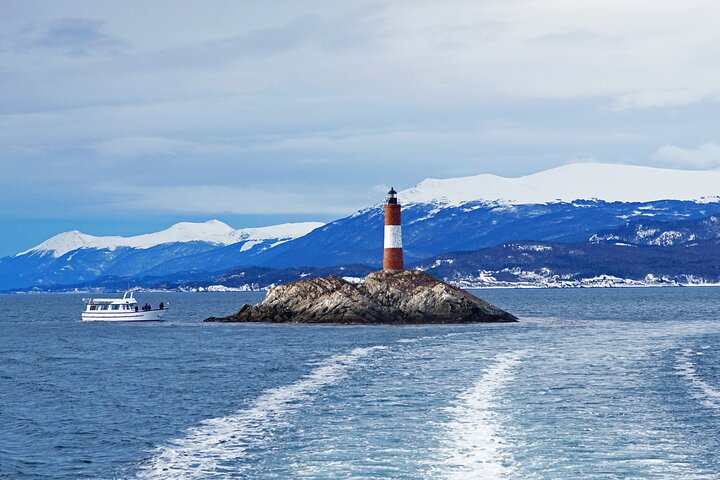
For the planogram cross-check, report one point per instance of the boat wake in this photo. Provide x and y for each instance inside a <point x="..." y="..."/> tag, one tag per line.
<point x="705" y="393"/>
<point x="474" y="447"/>
<point x="213" y="447"/>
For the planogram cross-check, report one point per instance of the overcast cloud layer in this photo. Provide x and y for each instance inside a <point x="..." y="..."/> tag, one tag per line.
<point x="123" y="117"/>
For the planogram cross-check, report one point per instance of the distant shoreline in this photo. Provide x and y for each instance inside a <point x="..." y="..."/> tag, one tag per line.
<point x="457" y="284"/>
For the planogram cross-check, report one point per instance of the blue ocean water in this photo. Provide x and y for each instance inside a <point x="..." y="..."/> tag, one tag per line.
<point x="601" y="383"/>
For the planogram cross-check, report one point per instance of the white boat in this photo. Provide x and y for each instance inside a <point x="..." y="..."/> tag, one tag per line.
<point x="123" y="309"/>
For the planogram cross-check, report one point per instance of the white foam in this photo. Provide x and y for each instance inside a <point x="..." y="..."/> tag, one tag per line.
<point x="703" y="391"/>
<point x="474" y="447"/>
<point x="210" y="449"/>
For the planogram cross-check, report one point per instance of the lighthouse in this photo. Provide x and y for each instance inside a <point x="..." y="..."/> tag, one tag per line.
<point x="393" y="255"/>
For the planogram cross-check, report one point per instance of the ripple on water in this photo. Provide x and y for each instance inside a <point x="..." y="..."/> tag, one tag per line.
<point x="214" y="448"/>
<point x="703" y="391"/>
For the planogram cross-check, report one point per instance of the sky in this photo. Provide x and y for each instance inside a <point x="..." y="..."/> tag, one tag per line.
<point x="126" y="117"/>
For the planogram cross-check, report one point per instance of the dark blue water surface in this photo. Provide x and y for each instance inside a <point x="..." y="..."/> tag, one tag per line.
<point x="591" y="383"/>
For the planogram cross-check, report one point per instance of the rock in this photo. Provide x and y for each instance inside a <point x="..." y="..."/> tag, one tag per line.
<point x="404" y="297"/>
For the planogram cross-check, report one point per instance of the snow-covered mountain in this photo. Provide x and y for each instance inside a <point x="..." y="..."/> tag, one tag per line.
<point x="213" y="232"/>
<point x="579" y="181"/>
<point x="75" y="257"/>
<point x="566" y="204"/>
<point x="574" y="204"/>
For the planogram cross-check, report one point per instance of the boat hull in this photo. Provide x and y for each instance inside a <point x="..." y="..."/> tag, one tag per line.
<point x="141" y="316"/>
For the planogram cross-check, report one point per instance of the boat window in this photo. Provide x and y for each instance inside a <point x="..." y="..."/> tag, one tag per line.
<point x="93" y="307"/>
<point x="116" y="307"/>
<point x="103" y="307"/>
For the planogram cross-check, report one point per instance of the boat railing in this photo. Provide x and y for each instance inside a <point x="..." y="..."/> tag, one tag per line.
<point x="166" y="306"/>
<point x="101" y="301"/>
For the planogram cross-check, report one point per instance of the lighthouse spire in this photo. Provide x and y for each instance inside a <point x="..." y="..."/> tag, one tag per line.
<point x="393" y="254"/>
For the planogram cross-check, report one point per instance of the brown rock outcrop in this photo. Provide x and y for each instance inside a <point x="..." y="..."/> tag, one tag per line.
<point x="396" y="298"/>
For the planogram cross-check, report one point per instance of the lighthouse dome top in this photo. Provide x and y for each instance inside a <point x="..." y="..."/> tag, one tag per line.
<point x="392" y="191"/>
<point x="392" y="196"/>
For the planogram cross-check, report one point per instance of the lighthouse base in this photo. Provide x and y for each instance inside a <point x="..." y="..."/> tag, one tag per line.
<point x="393" y="259"/>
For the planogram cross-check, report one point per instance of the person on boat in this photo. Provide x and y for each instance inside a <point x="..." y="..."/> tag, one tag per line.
<point x="136" y="308"/>
<point x="162" y="305"/>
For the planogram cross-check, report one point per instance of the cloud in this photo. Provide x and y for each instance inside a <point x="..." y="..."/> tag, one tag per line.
<point x="458" y="55"/>
<point x="702" y="157"/>
<point x="575" y="36"/>
<point x="149" y="146"/>
<point x="658" y="99"/>
<point x="129" y="147"/>
<point x="71" y="36"/>
<point x="224" y="199"/>
<point x="339" y="32"/>
<point x="281" y="100"/>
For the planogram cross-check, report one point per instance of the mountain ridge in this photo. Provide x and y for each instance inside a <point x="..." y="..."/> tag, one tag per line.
<point x="575" y="181"/>
<point x="212" y="231"/>
<point x="430" y="229"/>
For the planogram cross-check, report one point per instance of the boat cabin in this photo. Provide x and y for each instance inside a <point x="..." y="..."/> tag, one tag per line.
<point x="126" y="303"/>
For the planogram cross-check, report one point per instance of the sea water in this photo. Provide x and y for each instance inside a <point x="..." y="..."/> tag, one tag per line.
<point x="601" y="383"/>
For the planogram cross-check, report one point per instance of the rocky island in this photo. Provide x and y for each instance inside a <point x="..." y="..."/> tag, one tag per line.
<point x="392" y="296"/>
<point x="405" y="297"/>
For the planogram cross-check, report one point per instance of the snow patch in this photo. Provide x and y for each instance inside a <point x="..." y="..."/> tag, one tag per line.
<point x="437" y="263"/>
<point x="581" y="181"/>
<point x="545" y="278"/>
<point x="223" y="288"/>
<point x="249" y="244"/>
<point x="531" y="248"/>
<point x="355" y="280"/>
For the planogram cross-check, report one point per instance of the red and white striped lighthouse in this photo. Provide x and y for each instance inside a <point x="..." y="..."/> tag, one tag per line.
<point x="393" y="255"/>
